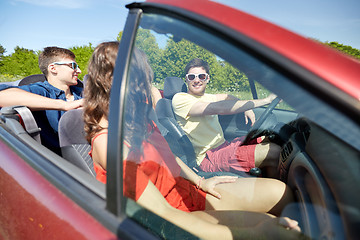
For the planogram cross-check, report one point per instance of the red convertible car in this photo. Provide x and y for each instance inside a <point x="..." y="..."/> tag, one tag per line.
<point x="47" y="196"/>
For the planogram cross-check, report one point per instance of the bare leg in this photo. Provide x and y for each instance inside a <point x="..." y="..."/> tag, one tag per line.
<point x="258" y="225"/>
<point x="267" y="158"/>
<point x="251" y="194"/>
<point x="233" y="218"/>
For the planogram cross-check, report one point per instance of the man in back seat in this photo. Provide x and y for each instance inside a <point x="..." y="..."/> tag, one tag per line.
<point x="49" y="99"/>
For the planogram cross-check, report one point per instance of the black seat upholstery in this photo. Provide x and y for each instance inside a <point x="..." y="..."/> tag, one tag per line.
<point x="32" y="79"/>
<point x="177" y="139"/>
<point x="73" y="144"/>
<point x="40" y="78"/>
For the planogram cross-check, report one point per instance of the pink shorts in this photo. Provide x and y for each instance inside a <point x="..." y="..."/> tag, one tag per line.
<point x="230" y="156"/>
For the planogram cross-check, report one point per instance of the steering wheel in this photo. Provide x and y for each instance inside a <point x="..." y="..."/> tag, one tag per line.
<point x="256" y="130"/>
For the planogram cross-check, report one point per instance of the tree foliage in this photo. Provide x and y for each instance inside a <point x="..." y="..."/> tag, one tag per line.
<point x="167" y="60"/>
<point x="147" y="43"/>
<point x="83" y="54"/>
<point x="345" y="49"/>
<point x="22" y="62"/>
<point x="171" y="61"/>
<point x="2" y="51"/>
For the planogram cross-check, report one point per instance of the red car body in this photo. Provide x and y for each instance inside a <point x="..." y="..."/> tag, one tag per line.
<point x="33" y="208"/>
<point x="41" y="200"/>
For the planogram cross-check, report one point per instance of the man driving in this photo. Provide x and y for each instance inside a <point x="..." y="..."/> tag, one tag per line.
<point x="197" y="113"/>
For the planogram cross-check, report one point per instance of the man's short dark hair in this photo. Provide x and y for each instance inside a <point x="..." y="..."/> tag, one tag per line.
<point x="53" y="54"/>
<point x="197" y="62"/>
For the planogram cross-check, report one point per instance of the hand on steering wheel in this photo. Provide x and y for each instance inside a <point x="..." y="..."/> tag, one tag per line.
<point x="256" y="129"/>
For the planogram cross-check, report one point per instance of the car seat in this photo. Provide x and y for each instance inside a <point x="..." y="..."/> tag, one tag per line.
<point x="74" y="146"/>
<point x="24" y="116"/>
<point x="177" y="139"/>
<point x="41" y="78"/>
<point x="32" y="79"/>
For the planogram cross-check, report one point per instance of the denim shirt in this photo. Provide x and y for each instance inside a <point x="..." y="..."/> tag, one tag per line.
<point x="48" y="120"/>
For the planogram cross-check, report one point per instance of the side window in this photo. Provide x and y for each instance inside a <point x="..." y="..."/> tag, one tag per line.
<point x="168" y="58"/>
<point x="149" y="143"/>
<point x="149" y="167"/>
<point x="299" y="122"/>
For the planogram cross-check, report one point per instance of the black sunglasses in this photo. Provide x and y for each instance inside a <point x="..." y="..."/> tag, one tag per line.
<point x="201" y="76"/>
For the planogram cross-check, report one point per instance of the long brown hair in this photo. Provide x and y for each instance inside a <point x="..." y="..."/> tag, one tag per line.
<point x="98" y="85"/>
<point x="138" y="101"/>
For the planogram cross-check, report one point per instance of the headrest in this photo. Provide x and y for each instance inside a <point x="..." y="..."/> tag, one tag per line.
<point x="71" y="128"/>
<point x="32" y="79"/>
<point x="41" y="78"/>
<point x="173" y="85"/>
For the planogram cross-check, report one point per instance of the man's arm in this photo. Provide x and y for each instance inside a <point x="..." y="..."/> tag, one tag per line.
<point x="35" y="102"/>
<point x="249" y="114"/>
<point x="227" y="107"/>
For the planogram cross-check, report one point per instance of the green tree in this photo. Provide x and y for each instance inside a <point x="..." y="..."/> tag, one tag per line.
<point x="223" y="76"/>
<point x="146" y="42"/>
<point x="2" y="51"/>
<point x="83" y="54"/>
<point x="344" y="48"/>
<point x="230" y="78"/>
<point x="22" y="62"/>
<point x="119" y="36"/>
<point x="177" y="54"/>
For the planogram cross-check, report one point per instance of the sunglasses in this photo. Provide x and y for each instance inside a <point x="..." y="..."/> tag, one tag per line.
<point x="72" y="65"/>
<point x="201" y="76"/>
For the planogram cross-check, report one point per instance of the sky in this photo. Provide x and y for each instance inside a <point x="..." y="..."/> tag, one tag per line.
<point x="35" y="24"/>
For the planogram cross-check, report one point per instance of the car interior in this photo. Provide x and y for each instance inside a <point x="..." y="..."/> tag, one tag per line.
<point x="74" y="146"/>
<point x="177" y="139"/>
<point x="74" y="158"/>
<point x="314" y="132"/>
<point x="320" y="152"/>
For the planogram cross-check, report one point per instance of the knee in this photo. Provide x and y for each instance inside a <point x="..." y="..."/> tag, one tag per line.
<point x="274" y="151"/>
<point x="286" y="198"/>
<point x="267" y="154"/>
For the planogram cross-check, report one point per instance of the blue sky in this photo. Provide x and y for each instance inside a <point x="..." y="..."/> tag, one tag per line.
<point x="35" y="24"/>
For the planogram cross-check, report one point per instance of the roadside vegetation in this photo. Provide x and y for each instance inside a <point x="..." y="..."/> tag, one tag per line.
<point x="168" y="60"/>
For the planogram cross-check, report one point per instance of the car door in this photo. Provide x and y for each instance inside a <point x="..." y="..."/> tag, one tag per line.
<point x="305" y="112"/>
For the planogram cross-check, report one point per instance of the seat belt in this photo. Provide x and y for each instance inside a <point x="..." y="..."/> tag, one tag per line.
<point x="30" y="124"/>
